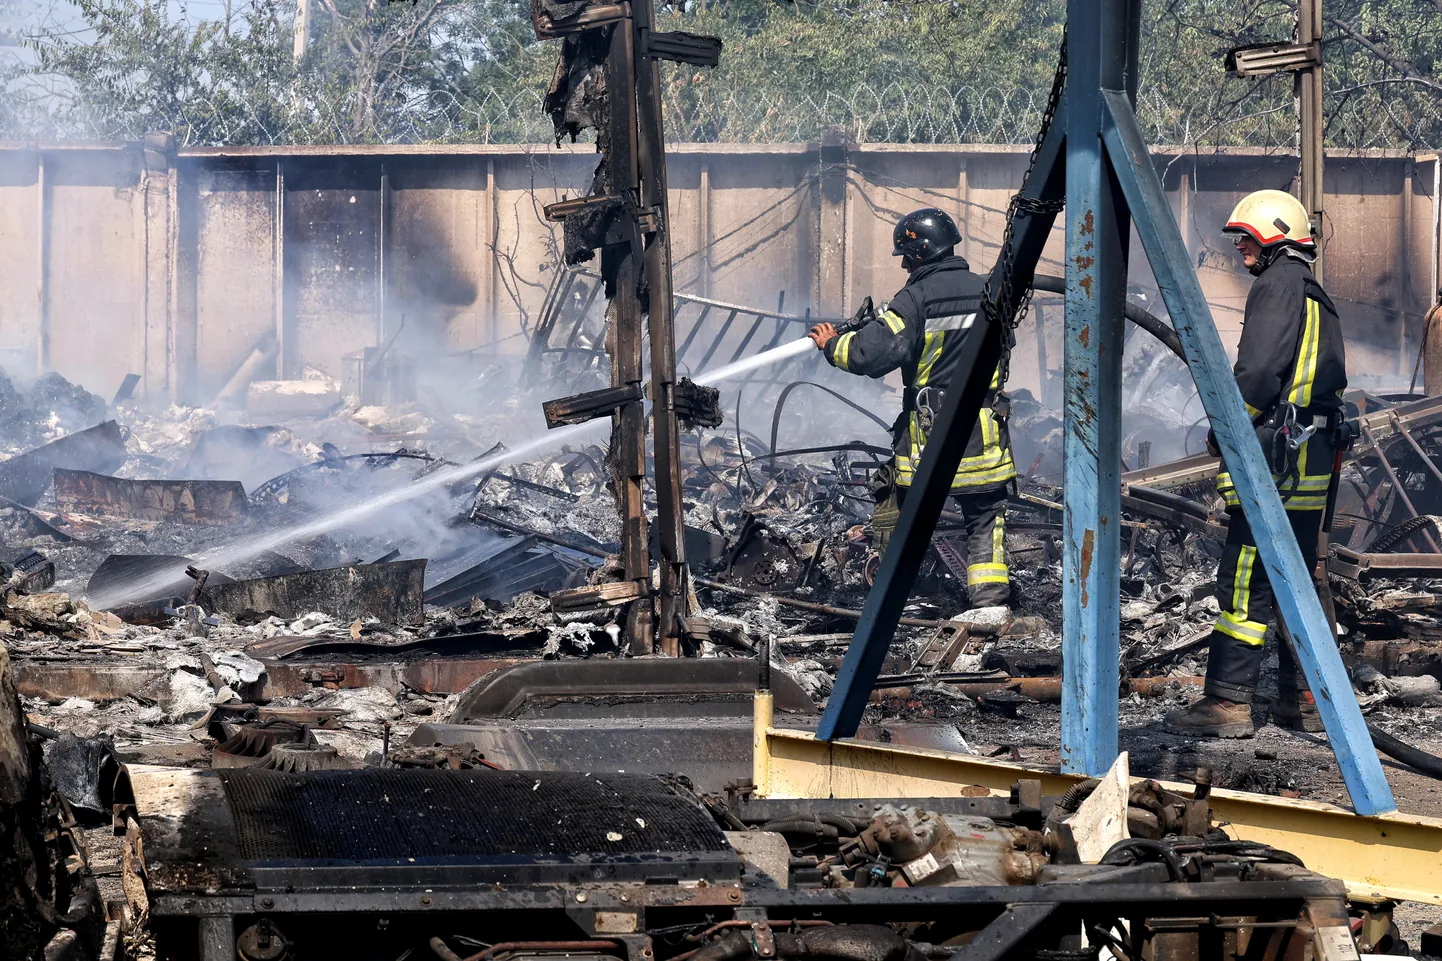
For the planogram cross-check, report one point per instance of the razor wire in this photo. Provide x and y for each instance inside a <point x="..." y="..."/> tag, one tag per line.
<point x="895" y="112"/>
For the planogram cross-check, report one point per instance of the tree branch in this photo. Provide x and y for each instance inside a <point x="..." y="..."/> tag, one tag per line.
<point x="1380" y="52"/>
<point x="340" y="22"/>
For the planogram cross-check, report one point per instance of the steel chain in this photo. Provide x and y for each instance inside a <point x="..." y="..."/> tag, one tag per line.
<point x="1009" y="315"/>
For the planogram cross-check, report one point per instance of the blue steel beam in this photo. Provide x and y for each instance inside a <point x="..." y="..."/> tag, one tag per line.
<point x="1296" y="597"/>
<point x="944" y="448"/>
<point x="1097" y="229"/>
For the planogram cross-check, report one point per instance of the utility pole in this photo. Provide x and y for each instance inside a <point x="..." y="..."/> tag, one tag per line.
<point x="1309" y="103"/>
<point x="302" y="28"/>
<point x="1304" y="59"/>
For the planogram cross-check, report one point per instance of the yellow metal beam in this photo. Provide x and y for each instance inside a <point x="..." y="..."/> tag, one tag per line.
<point x="1392" y="856"/>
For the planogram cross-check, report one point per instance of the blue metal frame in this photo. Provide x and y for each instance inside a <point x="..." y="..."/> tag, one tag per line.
<point x="1107" y="182"/>
<point x="1097" y="224"/>
<point x="1207" y="360"/>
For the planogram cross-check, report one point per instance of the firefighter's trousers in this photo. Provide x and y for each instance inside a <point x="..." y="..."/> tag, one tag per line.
<point x="988" y="583"/>
<point x="1245" y="595"/>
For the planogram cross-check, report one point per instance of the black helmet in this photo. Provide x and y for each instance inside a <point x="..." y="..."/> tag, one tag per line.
<point x="924" y="235"/>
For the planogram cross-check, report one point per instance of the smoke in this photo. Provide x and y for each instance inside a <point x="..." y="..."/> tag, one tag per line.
<point x="392" y="502"/>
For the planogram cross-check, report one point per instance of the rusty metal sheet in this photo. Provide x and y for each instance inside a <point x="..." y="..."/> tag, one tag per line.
<point x="26" y="476"/>
<point x="390" y="592"/>
<point x="92" y="680"/>
<point x="176" y="501"/>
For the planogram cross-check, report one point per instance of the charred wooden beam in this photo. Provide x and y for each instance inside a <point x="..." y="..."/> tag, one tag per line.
<point x="696" y="49"/>
<point x="608" y="79"/>
<point x="697" y="406"/>
<point x="579" y="408"/>
<point x="612" y="594"/>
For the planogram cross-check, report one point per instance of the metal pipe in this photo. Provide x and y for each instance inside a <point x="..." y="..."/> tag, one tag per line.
<point x="504" y="946"/>
<point x="1411" y="441"/>
<point x="1397" y="484"/>
<point x="1138" y="315"/>
<point x="264" y="351"/>
<point x="1049" y="689"/>
<point x="442" y="951"/>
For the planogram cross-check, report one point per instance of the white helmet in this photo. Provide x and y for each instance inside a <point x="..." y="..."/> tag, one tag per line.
<point x="1272" y="217"/>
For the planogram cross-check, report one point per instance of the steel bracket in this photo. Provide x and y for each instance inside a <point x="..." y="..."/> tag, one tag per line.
<point x="1265" y="59"/>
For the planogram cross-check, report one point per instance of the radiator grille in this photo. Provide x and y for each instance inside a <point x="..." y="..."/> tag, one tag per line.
<point x="385" y="815"/>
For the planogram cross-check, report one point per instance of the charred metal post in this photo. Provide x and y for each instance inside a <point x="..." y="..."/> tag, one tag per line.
<point x="625" y="215"/>
<point x="666" y="440"/>
<point x="1303" y="59"/>
<point x="623" y="262"/>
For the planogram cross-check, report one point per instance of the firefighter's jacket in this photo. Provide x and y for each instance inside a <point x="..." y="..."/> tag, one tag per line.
<point x="920" y="332"/>
<point x="1291" y="352"/>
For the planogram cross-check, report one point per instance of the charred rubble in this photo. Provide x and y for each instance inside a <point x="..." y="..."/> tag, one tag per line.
<point x="118" y="623"/>
<point x="208" y="609"/>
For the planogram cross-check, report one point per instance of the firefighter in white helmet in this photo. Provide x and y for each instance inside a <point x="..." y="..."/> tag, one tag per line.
<point x="1291" y="370"/>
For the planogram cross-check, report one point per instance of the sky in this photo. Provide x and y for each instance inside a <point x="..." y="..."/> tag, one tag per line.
<point x="18" y="18"/>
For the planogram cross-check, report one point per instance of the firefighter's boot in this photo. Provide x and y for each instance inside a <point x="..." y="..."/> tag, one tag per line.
<point x="1211" y="717"/>
<point x="986" y="621"/>
<point x="1297" y="710"/>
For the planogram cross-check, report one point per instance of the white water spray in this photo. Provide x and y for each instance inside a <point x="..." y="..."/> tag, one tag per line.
<point x="245" y="550"/>
<point x="746" y="364"/>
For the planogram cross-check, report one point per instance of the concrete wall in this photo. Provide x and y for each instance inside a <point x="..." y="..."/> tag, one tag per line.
<point x="174" y="264"/>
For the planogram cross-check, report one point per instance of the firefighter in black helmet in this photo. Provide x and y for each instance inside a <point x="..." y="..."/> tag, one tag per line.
<point x="921" y="331"/>
<point x="1291" y="370"/>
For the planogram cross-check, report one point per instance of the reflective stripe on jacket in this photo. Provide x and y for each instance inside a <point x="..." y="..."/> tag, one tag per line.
<point x="1291" y="352"/>
<point x="921" y="332"/>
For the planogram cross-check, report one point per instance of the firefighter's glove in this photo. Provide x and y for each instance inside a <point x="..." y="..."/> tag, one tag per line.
<point x="822" y="334"/>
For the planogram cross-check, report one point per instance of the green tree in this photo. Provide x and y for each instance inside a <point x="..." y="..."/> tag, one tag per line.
<point x="883" y="70"/>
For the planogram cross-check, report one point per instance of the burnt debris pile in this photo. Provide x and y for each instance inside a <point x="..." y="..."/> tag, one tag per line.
<point x="148" y="593"/>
